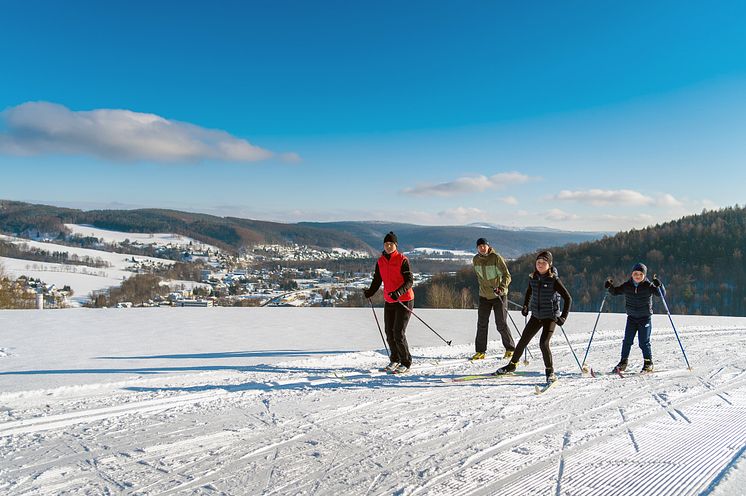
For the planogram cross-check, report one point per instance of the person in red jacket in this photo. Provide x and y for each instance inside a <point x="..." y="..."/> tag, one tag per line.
<point x="394" y="272"/>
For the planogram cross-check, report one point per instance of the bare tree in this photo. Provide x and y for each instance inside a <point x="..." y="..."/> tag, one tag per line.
<point x="466" y="300"/>
<point x="442" y="296"/>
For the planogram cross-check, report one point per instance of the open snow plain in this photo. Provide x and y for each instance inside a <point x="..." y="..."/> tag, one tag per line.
<point x="283" y="401"/>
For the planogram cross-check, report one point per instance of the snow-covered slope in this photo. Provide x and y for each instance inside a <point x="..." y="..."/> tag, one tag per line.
<point x="156" y="239"/>
<point x="82" y="279"/>
<point x="283" y="401"/>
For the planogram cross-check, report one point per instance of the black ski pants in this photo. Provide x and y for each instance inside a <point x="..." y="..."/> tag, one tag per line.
<point x="533" y="326"/>
<point x="395" y="320"/>
<point x="499" y="306"/>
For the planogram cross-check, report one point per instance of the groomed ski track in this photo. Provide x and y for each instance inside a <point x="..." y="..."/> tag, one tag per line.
<point x="328" y="425"/>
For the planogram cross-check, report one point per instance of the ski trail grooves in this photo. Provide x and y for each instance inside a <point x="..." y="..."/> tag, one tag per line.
<point x="39" y="424"/>
<point x="585" y="458"/>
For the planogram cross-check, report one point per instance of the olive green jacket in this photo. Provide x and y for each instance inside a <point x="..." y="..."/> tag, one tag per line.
<point x="492" y="272"/>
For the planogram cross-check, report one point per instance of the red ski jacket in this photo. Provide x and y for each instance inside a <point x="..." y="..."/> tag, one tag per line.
<point x="390" y="270"/>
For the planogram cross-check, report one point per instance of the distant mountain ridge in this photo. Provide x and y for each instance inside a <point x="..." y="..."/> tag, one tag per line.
<point x="510" y="243"/>
<point x="501" y="227"/>
<point x="233" y="233"/>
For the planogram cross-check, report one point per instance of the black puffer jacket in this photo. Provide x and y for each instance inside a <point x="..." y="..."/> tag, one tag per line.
<point x="638" y="300"/>
<point x="540" y="296"/>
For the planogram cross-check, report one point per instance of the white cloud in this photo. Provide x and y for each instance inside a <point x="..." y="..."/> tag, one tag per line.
<point x="558" y="215"/>
<point x="600" y="197"/>
<point x="35" y="128"/>
<point x="668" y="200"/>
<point x="637" y="219"/>
<point x="462" y="215"/>
<point x="290" y="157"/>
<point x="509" y="200"/>
<point x="469" y="184"/>
<point x="628" y="197"/>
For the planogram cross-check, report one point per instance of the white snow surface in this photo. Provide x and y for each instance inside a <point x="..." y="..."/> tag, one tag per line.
<point x="288" y="401"/>
<point x="157" y="239"/>
<point x="82" y="279"/>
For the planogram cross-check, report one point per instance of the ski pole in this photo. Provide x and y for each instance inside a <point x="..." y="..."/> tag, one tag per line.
<point x="516" y="304"/>
<point x="418" y="318"/>
<point x="379" y="327"/>
<point x="594" y="330"/>
<point x="573" y="351"/>
<point x="663" y="299"/>
<point x="525" y="319"/>
<point x="525" y="356"/>
<point x="519" y="333"/>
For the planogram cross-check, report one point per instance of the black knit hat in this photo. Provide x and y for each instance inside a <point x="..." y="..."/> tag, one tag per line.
<point x="545" y="255"/>
<point x="639" y="266"/>
<point x="482" y="241"/>
<point x="391" y="238"/>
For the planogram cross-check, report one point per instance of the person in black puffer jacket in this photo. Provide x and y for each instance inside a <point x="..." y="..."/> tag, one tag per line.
<point x="546" y="314"/>
<point x="638" y="294"/>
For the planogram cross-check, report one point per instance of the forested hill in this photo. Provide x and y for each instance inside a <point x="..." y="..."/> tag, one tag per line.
<point x="225" y="232"/>
<point x="700" y="259"/>
<point x="233" y="233"/>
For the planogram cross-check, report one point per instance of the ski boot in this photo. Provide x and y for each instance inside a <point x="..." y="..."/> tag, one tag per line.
<point x="400" y="369"/>
<point x="647" y="367"/>
<point x="508" y="354"/>
<point x="507" y="369"/>
<point x="391" y="366"/>
<point x="551" y="377"/>
<point x="478" y="356"/>
<point x="621" y="366"/>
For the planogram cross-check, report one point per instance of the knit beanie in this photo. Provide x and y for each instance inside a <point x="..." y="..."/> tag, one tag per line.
<point x="482" y="241"/>
<point x="545" y="255"/>
<point x="639" y="266"/>
<point x="391" y="238"/>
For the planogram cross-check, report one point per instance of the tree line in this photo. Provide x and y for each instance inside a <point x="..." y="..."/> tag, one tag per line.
<point x="24" y="252"/>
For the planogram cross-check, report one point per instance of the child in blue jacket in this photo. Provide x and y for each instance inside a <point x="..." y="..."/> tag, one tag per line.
<point x="638" y="293"/>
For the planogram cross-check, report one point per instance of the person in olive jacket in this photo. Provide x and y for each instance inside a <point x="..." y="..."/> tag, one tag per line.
<point x="392" y="269"/>
<point x="546" y="313"/>
<point x="494" y="279"/>
<point x="638" y="293"/>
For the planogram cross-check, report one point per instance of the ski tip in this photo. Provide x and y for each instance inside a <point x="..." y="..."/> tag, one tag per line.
<point x="537" y="390"/>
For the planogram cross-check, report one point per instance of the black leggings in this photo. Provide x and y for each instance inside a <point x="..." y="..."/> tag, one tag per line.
<point x="395" y="320"/>
<point x="533" y="326"/>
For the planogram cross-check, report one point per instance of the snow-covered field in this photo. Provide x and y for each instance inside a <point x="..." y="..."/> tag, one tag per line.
<point x="283" y="401"/>
<point x="156" y="239"/>
<point x="82" y="279"/>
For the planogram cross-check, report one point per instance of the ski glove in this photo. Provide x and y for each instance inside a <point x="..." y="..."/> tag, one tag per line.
<point x="656" y="282"/>
<point x="369" y="293"/>
<point x="560" y="320"/>
<point x="524" y="311"/>
<point x="497" y="291"/>
<point x="394" y="295"/>
<point x="609" y="283"/>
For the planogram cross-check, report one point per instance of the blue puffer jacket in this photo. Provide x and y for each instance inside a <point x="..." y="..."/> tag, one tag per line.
<point x="638" y="299"/>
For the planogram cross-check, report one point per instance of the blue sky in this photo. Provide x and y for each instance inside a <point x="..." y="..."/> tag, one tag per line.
<point x="573" y="115"/>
